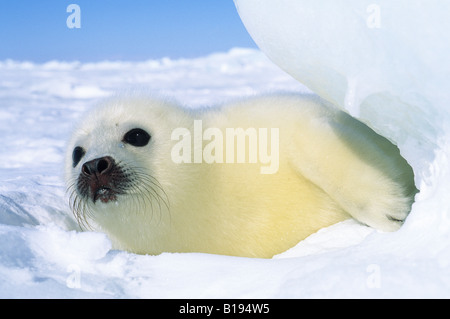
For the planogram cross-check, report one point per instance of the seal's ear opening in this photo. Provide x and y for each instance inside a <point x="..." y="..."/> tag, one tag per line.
<point x="136" y="137"/>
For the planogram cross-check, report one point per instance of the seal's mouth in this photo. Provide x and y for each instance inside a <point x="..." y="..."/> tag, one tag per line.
<point x="105" y="195"/>
<point x="104" y="183"/>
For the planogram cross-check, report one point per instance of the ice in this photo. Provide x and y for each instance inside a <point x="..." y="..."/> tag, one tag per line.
<point x="384" y="62"/>
<point x="392" y="77"/>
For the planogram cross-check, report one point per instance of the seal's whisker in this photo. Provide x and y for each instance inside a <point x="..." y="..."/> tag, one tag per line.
<point x="133" y="182"/>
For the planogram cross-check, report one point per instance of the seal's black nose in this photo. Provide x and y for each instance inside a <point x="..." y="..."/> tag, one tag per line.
<point x="101" y="179"/>
<point x="98" y="166"/>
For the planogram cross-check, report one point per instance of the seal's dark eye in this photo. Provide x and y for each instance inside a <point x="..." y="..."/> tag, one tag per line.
<point x="137" y="137"/>
<point x="77" y="155"/>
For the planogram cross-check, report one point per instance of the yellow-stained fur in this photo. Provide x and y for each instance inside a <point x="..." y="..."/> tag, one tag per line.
<point x="331" y="167"/>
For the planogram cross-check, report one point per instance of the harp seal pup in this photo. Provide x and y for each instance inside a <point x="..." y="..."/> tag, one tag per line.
<point x="124" y="179"/>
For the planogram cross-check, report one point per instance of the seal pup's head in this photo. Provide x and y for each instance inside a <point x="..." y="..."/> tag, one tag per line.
<point x="113" y="163"/>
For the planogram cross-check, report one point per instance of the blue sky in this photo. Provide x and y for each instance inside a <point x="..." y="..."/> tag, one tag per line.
<point x="36" y="30"/>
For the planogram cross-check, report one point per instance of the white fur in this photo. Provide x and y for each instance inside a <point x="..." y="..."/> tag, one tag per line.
<point x="331" y="167"/>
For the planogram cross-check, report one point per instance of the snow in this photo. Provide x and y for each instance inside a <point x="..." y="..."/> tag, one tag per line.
<point x="43" y="254"/>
